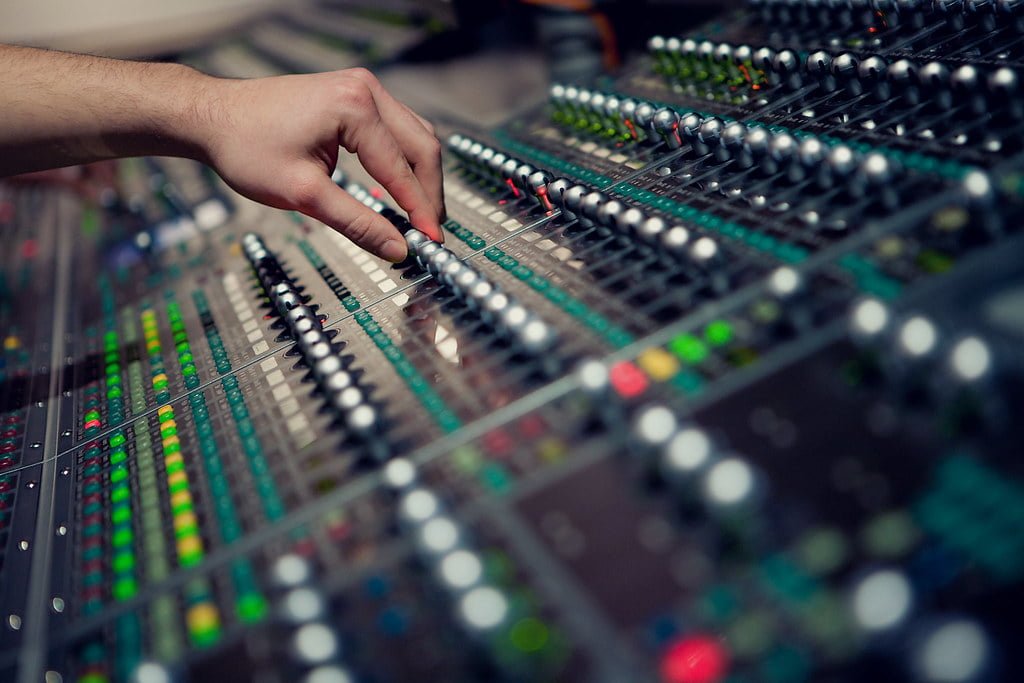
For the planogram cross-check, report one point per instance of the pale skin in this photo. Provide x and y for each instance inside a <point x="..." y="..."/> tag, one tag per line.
<point x="274" y="140"/>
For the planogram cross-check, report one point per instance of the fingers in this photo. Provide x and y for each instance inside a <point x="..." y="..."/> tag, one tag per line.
<point x="331" y="205"/>
<point x="382" y="158"/>
<point x="415" y="139"/>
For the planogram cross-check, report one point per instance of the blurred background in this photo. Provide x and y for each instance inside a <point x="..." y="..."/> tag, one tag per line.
<point x="464" y="61"/>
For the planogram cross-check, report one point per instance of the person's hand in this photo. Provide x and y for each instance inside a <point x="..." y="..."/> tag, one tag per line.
<point x="275" y="140"/>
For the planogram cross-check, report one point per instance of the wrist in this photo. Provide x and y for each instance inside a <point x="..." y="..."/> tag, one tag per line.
<point x="195" y="113"/>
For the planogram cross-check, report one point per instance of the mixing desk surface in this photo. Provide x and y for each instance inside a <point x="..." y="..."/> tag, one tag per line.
<point x="713" y="379"/>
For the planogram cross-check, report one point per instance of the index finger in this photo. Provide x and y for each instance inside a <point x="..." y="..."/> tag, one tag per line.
<point x="369" y="138"/>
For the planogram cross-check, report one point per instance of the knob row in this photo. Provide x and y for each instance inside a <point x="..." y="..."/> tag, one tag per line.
<point x="625" y="116"/>
<point x="519" y="176"/>
<point x="302" y="610"/>
<point x="853" y="73"/>
<point x="592" y="207"/>
<point x="918" y="339"/>
<point x="349" y="400"/>
<point x="1006" y="8"/>
<point x="523" y="328"/>
<point x="444" y="548"/>
<point x="697" y="469"/>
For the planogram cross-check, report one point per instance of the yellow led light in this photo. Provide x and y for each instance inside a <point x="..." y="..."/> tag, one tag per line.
<point x="181" y="498"/>
<point x="190" y="544"/>
<point x="659" y="364"/>
<point x="202" y="617"/>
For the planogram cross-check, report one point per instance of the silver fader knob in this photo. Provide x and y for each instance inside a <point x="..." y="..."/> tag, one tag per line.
<point x="415" y="239"/>
<point x="666" y="125"/>
<point x="426" y="251"/>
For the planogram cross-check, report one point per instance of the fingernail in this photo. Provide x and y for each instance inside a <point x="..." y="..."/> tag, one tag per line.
<point x="394" y="251"/>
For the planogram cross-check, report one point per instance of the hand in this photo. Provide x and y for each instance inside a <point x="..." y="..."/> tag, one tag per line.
<point x="275" y="140"/>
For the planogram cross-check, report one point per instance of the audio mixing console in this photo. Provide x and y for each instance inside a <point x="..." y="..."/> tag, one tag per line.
<point x="716" y="377"/>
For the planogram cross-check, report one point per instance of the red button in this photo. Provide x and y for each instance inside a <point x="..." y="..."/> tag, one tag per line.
<point x="628" y="379"/>
<point x="694" y="659"/>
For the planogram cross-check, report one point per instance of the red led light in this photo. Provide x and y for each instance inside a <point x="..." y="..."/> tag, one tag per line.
<point x="497" y="442"/>
<point x="29" y="249"/>
<point x="376" y="192"/>
<point x="628" y="379"/>
<point x="694" y="659"/>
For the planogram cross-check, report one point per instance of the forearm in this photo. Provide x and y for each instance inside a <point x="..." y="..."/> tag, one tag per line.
<point x="58" y="109"/>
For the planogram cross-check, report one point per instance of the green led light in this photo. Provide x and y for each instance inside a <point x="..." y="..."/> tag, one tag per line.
<point x="123" y="562"/>
<point x="121" y="538"/>
<point x="121" y="515"/>
<point x="689" y="349"/>
<point x="120" y="494"/>
<point x="251" y="608"/>
<point x="719" y="333"/>
<point x="529" y="635"/>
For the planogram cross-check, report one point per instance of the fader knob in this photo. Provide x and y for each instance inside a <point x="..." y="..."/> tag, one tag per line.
<point x="610" y="213"/>
<point x="876" y="169"/>
<point x="627" y="109"/>
<point x="732" y="138"/>
<point x="288" y="301"/>
<point x="464" y="281"/>
<point x="902" y="74"/>
<point x="337" y="381"/>
<point x="522" y="176"/>
<point x="299" y="313"/>
<point x="710" y="131"/>
<point x="757" y="142"/>
<point x="493" y="306"/>
<point x="782" y="148"/>
<point x="325" y="367"/>
<point x="689" y="125"/>
<point x="632" y="219"/>
<point x="644" y="115"/>
<point x="965" y="80"/>
<point x="654" y="426"/>
<point x="451" y="271"/>
<point x="811" y="152"/>
<point x="414" y="239"/>
<point x="842" y="160"/>
<point x="477" y="293"/>
<point x="310" y="339"/>
<point x="763" y="58"/>
<point x="666" y="124"/>
<point x="818" y="64"/>
<point x="438" y="260"/>
<point x="362" y="420"/>
<point x="556" y="190"/>
<point x="787" y="66"/>
<point x="425" y="251"/>
<point x="933" y="76"/>
<point x="508" y="169"/>
<point x="651" y="229"/>
<point x="573" y="201"/>
<point x="592" y="203"/>
<point x="535" y="336"/>
<point x="347" y="399"/>
<point x="723" y="53"/>
<point x="675" y="240"/>
<point x="871" y="72"/>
